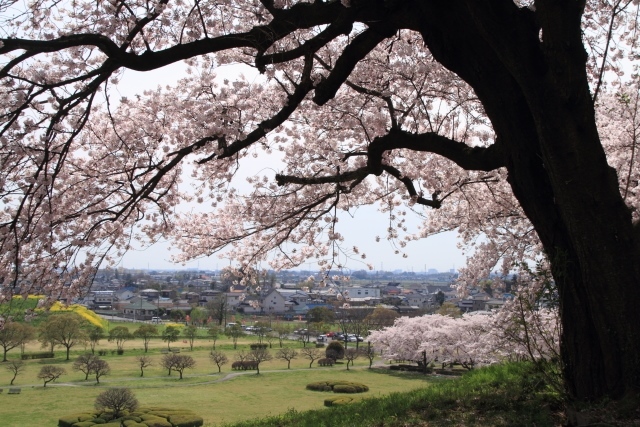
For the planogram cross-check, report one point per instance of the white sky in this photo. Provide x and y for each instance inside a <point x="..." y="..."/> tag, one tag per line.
<point x="437" y="252"/>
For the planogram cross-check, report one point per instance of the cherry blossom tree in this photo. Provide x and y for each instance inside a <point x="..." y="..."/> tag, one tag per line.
<point x="512" y="121"/>
<point x="475" y="339"/>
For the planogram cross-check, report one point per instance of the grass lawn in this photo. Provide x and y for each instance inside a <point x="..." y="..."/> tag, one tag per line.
<point x="203" y="390"/>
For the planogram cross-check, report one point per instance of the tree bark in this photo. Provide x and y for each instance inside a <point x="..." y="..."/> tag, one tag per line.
<point x="536" y="94"/>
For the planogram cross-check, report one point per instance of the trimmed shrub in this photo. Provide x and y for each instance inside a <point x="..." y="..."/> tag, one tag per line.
<point x="142" y="417"/>
<point x="107" y="416"/>
<point x="158" y="422"/>
<point x="148" y="417"/>
<point x="338" y="386"/>
<point x="327" y="361"/>
<point x="335" y="350"/>
<point x="344" y="389"/>
<point x="68" y="420"/>
<point x="256" y="346"/>
<point x="184" y="420"/>
<point x="39" y="355"/>
<point x="338" y="401"/>
<point x="319" y="386"/>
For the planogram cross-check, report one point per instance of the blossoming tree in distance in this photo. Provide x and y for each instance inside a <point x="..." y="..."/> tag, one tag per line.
<point x="515" y="120"/>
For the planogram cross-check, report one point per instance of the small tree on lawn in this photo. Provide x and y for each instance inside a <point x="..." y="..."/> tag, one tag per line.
<point x="311" y="353"/>
<point x="50" y="373"/>
<point x="234" y="332"/>
<point x="65" y="329"/>
<point x="13" y="335"/>
<point x="100" y="368"/>
<point x="117" y="400"/>
<point x="270" y="337"/>
<point x="95" y="334"/>
<point x="146" y="332"/>
<point x="219" y="358"/>
<point x="283" y="332"/>
<point x="182" y="362"/>
<point x="350" y="355"/>
<point x="190" y="332"/>
<point x="120" y="334"/>
<point x="370" y="353"/>
<point x="305" y="338"/>
<point x="15" y="367"/>
<point x="259" y="355"/>
<point x="143" y="362"/>
<point x="241" y="356"/>
<point x="170" y="334"/>
<point x="84" y="364"/>
<point x="287" y="354"/>
<point x="214" y="333"/>
<point x="261" y="329"/>
<point x="168" y="361"/>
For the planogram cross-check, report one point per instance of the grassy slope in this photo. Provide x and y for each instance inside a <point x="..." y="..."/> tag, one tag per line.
<point x="508" y="395"/>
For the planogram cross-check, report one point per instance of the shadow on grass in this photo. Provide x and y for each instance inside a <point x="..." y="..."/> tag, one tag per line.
<point x="418" y="377"/>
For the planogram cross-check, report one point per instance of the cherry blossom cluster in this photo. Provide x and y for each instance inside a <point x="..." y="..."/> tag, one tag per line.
<point x="475" y="339"/>
<point x="347" y="111"/>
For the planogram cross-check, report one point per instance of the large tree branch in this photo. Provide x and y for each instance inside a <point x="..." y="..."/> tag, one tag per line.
<point x="342" y="25"/>
<point x="352" y="54"/>
<point x="303" y="15"/>
<point x="468" y="158"/>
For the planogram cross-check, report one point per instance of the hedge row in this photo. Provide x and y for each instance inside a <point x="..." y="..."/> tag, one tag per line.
<point x="338" y="386"/>
<point x="257" y="346"/>
<point x="40" y="355"/>
<point x="143" y="417"/>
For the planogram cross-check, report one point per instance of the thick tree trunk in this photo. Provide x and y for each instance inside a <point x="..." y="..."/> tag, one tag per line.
<point x="537" y="96"/>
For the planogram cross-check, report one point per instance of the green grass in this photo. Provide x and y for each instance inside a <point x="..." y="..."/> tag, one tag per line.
<point x="506" y="395"/>
<point x="243" y="397"/>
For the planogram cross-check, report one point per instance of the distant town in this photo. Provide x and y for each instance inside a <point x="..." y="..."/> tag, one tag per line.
<point x="174" y="294"/>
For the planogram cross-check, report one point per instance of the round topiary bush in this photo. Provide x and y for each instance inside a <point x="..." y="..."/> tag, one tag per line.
<point x="180" y="420"/>
<point x="338" y="386"/>
<point x="335" y="350"/>
<point x="142" y="417"/>
<point x="319" y="386"/>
